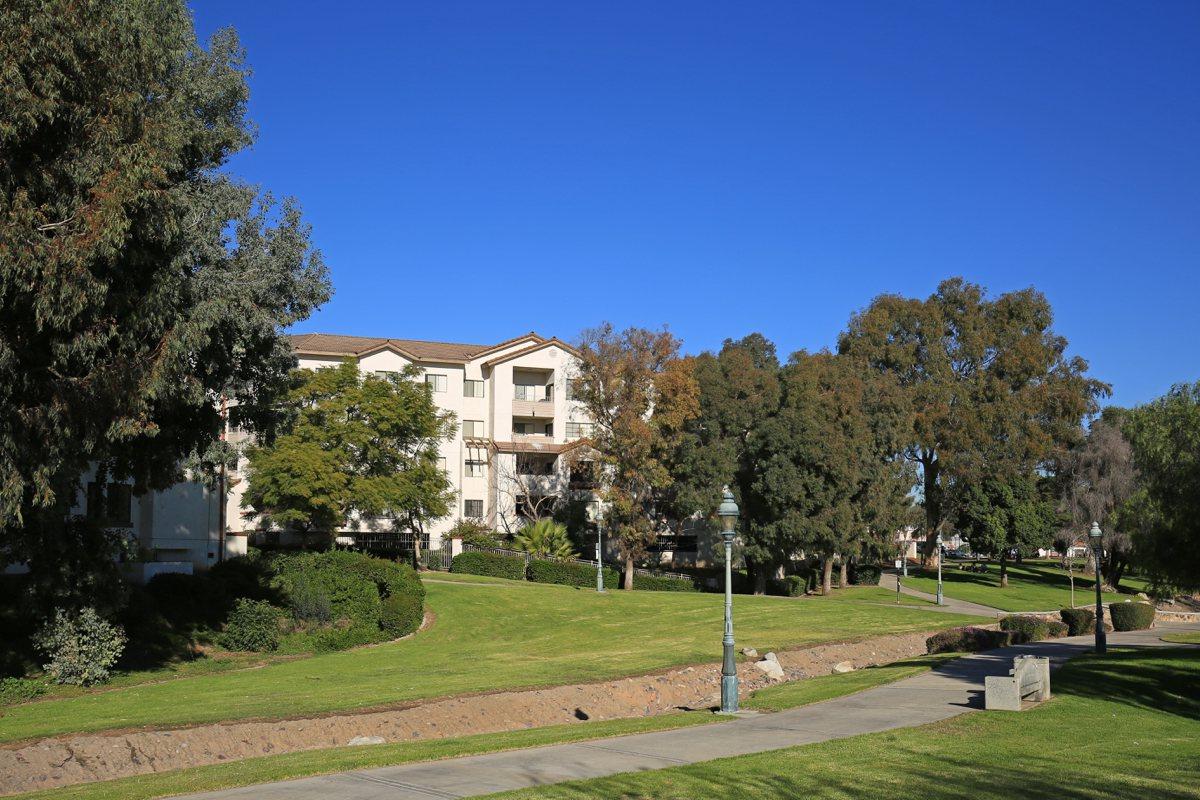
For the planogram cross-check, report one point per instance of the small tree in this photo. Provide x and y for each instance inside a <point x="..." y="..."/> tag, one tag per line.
<point x="639" y="394"/>
<point x="356" y="445"/>
<point x="1000" y="517"/>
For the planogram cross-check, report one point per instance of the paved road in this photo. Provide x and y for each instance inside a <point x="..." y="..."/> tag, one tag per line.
<point x="888" y="581"/>
<point x="948" y="691"/>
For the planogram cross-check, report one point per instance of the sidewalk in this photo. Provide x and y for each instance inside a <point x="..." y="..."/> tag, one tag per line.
<point x="953" y="689"/>
<point x="888" y="581"/>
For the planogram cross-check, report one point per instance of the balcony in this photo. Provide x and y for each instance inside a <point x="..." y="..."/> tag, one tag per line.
<point x="534" y="409"/>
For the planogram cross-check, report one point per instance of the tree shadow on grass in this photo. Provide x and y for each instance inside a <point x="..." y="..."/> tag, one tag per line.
<point x="1143" y="677"/>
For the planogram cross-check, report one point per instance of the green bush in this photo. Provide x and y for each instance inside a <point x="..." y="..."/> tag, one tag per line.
<point x="790" y="586"/>
<point x="332" y="586"/>
<point x="1057" y="629"/>
<point x="82" y="647"/>
<point x="253" y="625"/>
<point x="661" y="583"/>
<point x="1131" y="616"/>
<point x="18" y="690"/>
<point x="1025" y="628"/>
<point x="1078" y="620"/>
<point x="330" y="640"/>
<point x="188" y="601"/>
<point x="496" y="565"/>
<point x="474" y="534"/>
<point x="401" y="614"/>
<point x="243" y="576"/>
<point x="865" y="574"/>
<point x="967" y="640"/>
<point x="568" y="573"/>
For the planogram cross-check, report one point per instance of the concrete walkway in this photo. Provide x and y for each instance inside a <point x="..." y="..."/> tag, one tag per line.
<point x="888" y="581"/>
<point x="953" y="689"/>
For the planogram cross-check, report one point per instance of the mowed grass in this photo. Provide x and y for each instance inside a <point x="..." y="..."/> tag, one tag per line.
<point x="488" y="635"/>
<point x="827" y="687"/>
<point x="1186" y="637"/>
<point x="1032" y="586"/>
<point x="1125" y="725"/>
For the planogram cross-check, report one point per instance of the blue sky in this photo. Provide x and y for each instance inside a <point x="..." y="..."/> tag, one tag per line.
<point x="476" y="170"/>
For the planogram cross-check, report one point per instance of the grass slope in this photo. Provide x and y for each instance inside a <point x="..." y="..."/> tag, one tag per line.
<point x="488" y="635"/>
<point x="1121" y="726"/>
<point x="1032" y="586"/>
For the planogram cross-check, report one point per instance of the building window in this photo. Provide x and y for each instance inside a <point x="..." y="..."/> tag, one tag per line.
<point x="436" y="381"/>
<point x="475" y="468"/>
<point x="472" y="429"/>
<point x="535" y="464"/>
<point x="549" y="428"/>
<point x="472" y="388"/>
<point x="387" y="375"/>
<point x="443" y="465"/>
<point x="111" y="505"/>
<point x="521" y="427"/>
<point x="578" y="430"/>
<point x="473" y="509"/>
<point x="524" y="391"/>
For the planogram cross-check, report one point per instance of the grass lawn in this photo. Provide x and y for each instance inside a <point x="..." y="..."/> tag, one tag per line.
<point x="1120" y="726"/>
<point x="489" y="634"/>
<point x="1032" y="586"/>
<point x="1188" y="637"/>
<point x="298" y="765"/>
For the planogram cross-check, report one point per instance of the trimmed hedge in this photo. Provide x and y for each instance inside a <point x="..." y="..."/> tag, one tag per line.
<point x="791" y="586"/>
<point x="967" y="640"/>
<point x="568" y="573"/>
<point x="1057" y="629"/>
<point x="495" y="565"/>
<point x="1131" y="616"/>
<point x="401" y="615"/>
<point x="1025" y="628"/>
<point x="865" y="574"/>
<point x="660" y="583"/>
<point x="1078" y="620"/>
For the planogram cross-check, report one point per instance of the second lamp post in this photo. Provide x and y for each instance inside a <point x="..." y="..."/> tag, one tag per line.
<point x="728" y="512"/>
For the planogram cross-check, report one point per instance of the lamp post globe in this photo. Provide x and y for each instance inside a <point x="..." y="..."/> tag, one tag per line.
<point x="728" y="512"/>
<point x="1096" y="537"/>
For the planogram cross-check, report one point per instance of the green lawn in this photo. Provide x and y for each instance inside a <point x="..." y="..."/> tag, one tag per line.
<point x="1032" y="586"/>
<point x="826" y="687"/>
<point x="1121" y="726"/>
<point x="489" y="634"/>
<point x="1189" y="637"/>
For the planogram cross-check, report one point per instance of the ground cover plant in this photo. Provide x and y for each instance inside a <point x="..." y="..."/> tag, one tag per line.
<point x="490" y="634"/>
<point x="1140" y="710"/>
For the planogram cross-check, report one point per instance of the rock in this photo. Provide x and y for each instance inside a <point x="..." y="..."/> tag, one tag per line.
<point x="771" y="657"/>
<point x="842" y="667"/>
<point x="771" y="669"/>
<point x="357" y="740"/>
<point x="1143" y="596"/>
<point x="749" y="652"/>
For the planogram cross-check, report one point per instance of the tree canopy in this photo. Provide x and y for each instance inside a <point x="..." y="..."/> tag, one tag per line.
<point x="140" y="283"/>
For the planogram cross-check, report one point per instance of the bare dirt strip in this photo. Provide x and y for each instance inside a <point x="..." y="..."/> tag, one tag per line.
<point x="63" y="761"/>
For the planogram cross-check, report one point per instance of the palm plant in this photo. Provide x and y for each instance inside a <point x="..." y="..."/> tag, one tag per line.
<point x="545" y="539"/>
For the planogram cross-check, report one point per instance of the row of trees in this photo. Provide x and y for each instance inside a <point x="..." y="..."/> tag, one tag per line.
<point x="960" y="412"/>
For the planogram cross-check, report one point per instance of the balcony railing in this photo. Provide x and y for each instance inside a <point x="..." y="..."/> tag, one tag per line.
<point x="537" y="409"/>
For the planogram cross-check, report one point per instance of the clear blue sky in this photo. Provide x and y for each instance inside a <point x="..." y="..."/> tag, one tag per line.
<point x="476" y="170"/>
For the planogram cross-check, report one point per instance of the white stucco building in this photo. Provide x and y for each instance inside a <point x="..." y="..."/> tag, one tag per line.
<point x="519" y="433"/>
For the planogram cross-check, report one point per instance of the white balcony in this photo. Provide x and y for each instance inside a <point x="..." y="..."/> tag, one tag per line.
<point x="535" y="409"/>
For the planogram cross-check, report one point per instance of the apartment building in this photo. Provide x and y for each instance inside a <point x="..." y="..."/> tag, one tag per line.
<point x="520" y="437"/>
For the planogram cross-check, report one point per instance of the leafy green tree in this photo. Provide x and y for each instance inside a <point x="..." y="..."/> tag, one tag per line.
<point x="1164" y="518"/>
<point x="139" y="281"/>
<point x="545" y="539"/>
<point x="990" y="388"/>
<point x="739" y="390"/>
<point x="1000" y="517"/>
<point x="826" y="479"/>
<point x="640" y="395"/>
<point x="355" y="444"/>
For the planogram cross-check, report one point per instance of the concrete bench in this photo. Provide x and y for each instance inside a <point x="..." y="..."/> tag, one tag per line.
<point x="1029" y="677"/>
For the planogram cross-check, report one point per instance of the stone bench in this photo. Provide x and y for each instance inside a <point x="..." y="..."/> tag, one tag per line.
<point x="1029" y="678"/>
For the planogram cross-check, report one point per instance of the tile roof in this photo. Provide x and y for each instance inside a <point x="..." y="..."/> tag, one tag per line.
<point x="417" y="349"/>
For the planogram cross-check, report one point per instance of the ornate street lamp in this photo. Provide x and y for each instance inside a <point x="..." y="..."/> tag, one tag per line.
<point x="940" y="600"/>
<point x="728" y="512"/>
<point x="598" y="517"/>
<point x="1097" y="540"/>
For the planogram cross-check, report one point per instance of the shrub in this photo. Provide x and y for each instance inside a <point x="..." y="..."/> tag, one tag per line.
<point x="82" y="647"/>
<point x="252" y="625"/>
<point x="661" y="583"/>
<point x="401" y="615"/>
<point x="307" y="599"/>
<point x="1131" y="616"/>
<point x="343" y="582"/>
<point x="496" y="565"/>
<point x="188" y="601"/>
<point x="967" y="640"/>
<point x="790" y="586"/>
<point x="1057" y="629"/>
<point x="329" y="640"/>
<point x="1025" y="628"/>
<point x="389" y="577"/>
<point x="243" y="576"/>
<point x="1078" y="620"/>
<point x="18" y="690"/>
<point x="474" y="534"/>
<point x="567" y="573"/>
<point x="865" y="574"/>
<point x="545" y="539"/>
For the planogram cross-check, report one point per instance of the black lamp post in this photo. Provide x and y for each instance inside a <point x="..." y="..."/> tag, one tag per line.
<point x="1097" y="540"/>
<point x="728" y="512"/>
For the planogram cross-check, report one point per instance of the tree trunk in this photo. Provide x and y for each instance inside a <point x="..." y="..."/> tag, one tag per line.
<point x="629" y="571"/>
<point x="827" y="576"/>
<point x="933" y="508"/>
<point x="843" y="575"/>
<point x="760" y="580"/>
<point x="1004" y="569"/>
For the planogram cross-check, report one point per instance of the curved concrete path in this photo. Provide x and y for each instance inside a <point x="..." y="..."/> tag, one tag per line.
<point x="953" y="689"/>
<point x="888" y="581"/>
